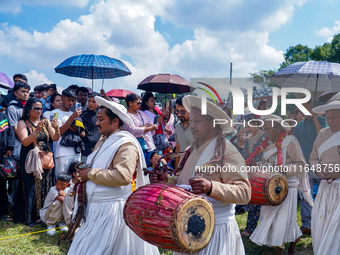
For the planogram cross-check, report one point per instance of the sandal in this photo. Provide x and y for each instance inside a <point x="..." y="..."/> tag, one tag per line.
<point x="245" y="234"/>
<point x="6" y="218"/>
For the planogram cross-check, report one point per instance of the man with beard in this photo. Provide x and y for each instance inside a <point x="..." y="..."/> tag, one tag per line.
<point x="183" y="136"/>
<point x="108" y="184"/>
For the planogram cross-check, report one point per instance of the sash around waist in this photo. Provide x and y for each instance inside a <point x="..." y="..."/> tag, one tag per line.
<point x="109" y="194"/>
<point x="293" y="181"/>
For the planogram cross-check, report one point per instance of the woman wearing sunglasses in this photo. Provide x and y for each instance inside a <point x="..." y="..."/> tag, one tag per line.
<point x="34" y="130"/>
<point x="143" y="128"/>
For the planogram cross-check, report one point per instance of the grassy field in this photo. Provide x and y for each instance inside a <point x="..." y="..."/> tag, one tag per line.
<point x="41" y="243"/>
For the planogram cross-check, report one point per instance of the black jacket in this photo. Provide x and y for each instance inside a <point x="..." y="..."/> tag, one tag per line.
<point x="6" y="136"/>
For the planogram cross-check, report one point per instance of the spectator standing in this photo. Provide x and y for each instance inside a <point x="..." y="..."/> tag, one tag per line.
<point x="64" y="156"/>
<point x="82" y="97"/>
<point x="142" y="125"/>
<point x="240" y="141"/>
<point x="14" y="113"/>
<point x="6" y="148"/>
<point x="89" y="119"/>
<point x="183" y="136"/>
<point x="148" y="107"/>
<point x="11" y="96"/>
<point x="55" y="104"/>
<point x="33" y="130"/>
<point x="15" y="110"/>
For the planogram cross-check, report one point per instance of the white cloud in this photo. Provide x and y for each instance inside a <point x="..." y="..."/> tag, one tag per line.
<point x="224" y="31"/>
<point x="329" y="32"/>
<point x="15" y="6"/>
<point x="234" y="15"/>
<point x="35" y="78"/>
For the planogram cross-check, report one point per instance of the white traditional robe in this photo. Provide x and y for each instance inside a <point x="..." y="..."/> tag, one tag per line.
<point x="104" y="231"/>
<point x="278" y="224"/>
<point x="326" y="211"/>
<point x="226" y="238"/>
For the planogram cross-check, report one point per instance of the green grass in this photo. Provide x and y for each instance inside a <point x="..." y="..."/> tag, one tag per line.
<point x="41" y="243"/>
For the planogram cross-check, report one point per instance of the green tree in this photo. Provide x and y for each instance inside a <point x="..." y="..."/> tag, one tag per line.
<point x="298" y="53"/>
<point x="335" y="49"/>
<point x="321" y="53"/>
<point x="262" y="78"/>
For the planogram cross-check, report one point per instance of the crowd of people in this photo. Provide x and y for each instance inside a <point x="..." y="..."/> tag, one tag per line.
<point x="60" y="130"/>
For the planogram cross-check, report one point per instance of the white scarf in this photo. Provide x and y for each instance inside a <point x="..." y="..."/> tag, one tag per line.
<point x="303" y="177"/>
<point x="107" y="152"/>
<point x="224" y="212"/>
<point x="333" y="141"/>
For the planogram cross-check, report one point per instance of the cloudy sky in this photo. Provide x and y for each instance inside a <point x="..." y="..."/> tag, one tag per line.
<point x="192" y="38"/>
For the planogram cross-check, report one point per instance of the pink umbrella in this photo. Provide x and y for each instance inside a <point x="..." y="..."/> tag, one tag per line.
<point x="5" y="81"/>
<point x="119" y="93"/>
<point x="166" y="83"/>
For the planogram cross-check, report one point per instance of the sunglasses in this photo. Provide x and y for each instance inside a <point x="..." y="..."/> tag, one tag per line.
<point x="138" y="103"/>
<point x="182" y="112"/>
<point x="37" y="109"/>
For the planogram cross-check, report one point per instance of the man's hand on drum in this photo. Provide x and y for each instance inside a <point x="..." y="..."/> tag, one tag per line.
<point x="200" y="185"/>
<point x="82" y="174"/>
<point x="158" y="177"/>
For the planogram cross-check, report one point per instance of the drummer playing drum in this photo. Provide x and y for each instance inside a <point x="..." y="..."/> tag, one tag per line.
<point x="278" y="224"/>
<point x="224" y="189"/>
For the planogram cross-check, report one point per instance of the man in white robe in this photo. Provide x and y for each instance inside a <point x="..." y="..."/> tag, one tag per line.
<point x="325" y="159"/>
<point x="223" y="188"/>
<point x="113" y="163"/>
<point x="278" y="224"/>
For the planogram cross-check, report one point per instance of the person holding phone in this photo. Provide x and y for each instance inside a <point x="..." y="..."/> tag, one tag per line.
<point x="148" y="107"/>
<point x="64" y="156"/>
<point x="142" y="127"/>
<point x="33" y="128"/>
<point x="55" y="104"/>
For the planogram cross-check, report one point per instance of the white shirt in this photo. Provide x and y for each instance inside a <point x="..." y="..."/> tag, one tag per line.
<point x="60" y="150"/>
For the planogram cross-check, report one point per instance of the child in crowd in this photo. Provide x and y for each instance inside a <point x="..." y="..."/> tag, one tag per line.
<point x="52" y="212"/>
<point x="69" y="198"/>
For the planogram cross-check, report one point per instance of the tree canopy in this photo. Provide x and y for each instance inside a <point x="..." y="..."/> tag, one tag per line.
<point x="326" y="52"/>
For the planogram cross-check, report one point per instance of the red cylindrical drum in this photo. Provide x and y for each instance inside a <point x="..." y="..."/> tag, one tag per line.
<point x="267" y="188"/>
<point x="170" y="217"/>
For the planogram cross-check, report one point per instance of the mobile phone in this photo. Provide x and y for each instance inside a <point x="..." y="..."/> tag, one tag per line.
<point x="54" y="86"/>
<point x="55" y="116"/>
<point x="160" y="153"/>
<point x="78" y="105"/>
<point x="155" y="120"/>
<point x="51" y="116"/>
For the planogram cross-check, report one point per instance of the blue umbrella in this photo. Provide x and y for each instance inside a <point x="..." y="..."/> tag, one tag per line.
<point x="93" y="67"/>
<point x="262" y="94"/>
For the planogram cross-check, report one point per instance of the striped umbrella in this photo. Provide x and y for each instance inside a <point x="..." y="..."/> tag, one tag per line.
<point x="93" y="67"/>
<point x="311" y="75"/>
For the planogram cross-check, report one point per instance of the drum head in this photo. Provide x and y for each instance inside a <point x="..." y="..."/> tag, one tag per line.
<point x="276" y="189"/>
<point x="193" y="224"/>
